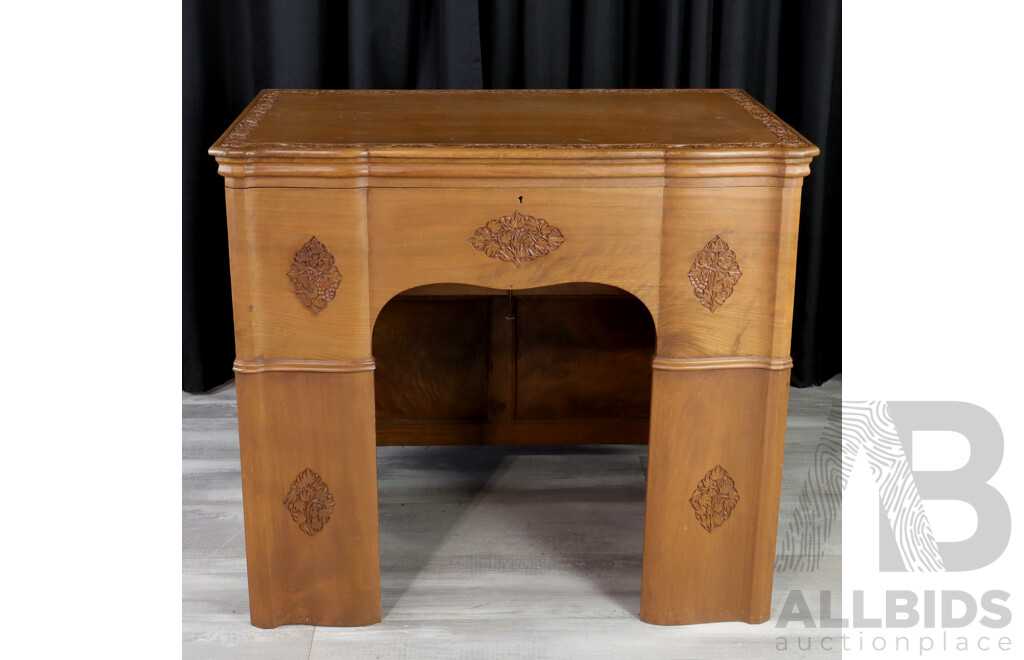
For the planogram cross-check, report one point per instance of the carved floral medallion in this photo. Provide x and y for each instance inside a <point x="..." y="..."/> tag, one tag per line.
<point x="714" y="499"/>
<point x="714" y="274"/>
<point x="517" y="238"/>
<point x="314" y="276"/>
<point x="309" y="502"/>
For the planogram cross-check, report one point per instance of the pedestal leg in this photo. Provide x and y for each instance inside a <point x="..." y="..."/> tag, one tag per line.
<point x="715" y="465"/>
<point x="309" y="479"/>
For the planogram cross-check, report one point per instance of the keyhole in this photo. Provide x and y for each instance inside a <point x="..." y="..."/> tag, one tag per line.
<point x="520" y="199"/>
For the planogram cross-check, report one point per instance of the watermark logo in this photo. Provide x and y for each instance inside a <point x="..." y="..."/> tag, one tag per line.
<point x="883" y="432"/>
<point x="879" y="435"/>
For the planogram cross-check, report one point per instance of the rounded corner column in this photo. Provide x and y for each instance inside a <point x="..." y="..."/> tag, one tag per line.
<point x="309" y="483"/>
<point x="717" y="438"/>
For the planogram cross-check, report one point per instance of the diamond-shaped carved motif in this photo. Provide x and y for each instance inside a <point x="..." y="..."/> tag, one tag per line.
<point x="314" y="276"/>
<point x="309" y="502"/>
<point x="714" y="274"/>
<point x="517" y="238"/>
<point x="714" y="499"/>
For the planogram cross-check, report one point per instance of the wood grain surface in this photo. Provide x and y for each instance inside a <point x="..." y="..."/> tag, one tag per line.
<point x="700" y="420"/>
<point x="432" y="360"/>
<point x="304" y="120"/>
<point x="422" y="236"/>
<point x="522" y="138"/>
<point x="288" y="423"/>
<point x="343" y="205"/>
<point x="512" y="552"/>
<point x="466" y="369"/>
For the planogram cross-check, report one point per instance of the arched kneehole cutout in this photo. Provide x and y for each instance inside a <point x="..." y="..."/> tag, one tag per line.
<point x="563" y="364"/>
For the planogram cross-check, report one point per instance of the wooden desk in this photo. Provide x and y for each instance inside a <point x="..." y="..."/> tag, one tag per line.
<point x="681" y="204"/>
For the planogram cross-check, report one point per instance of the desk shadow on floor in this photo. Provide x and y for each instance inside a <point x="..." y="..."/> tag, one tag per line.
<point x="453" y="520"/>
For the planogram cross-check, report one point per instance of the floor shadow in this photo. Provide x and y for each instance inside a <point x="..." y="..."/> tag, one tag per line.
<point x="423" y="493"/>
<point x="588" y="519"/>
<point x="583" y="514"/>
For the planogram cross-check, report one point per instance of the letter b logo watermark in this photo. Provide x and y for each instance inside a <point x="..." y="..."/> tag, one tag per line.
<point x="883" y="431"/>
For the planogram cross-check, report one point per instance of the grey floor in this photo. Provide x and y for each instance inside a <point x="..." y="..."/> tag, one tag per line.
<point x="488" y="552"/>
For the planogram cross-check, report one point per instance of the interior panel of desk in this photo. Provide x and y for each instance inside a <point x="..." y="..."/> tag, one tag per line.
<point x="465" y="365"/>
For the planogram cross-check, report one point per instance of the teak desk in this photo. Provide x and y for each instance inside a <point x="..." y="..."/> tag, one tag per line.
<point x="340" y="201"/>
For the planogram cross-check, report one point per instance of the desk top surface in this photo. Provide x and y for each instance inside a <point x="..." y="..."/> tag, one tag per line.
<point x="291" y="122"/>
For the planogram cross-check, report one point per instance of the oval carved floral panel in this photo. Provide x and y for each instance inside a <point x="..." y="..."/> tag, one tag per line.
<point x="517" y="238"/>
<point x="314" y="276"/>
<point x="714" y="274"/>
<point x="309" y="502"/>
<point x="714" y="499"/>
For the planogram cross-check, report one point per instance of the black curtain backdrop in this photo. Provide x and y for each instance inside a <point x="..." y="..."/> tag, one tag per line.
<point x="786" y="54"/>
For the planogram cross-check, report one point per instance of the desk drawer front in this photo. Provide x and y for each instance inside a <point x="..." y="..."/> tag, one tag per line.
<point x="646" y="241"/>
<point x="518" y="239"/>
